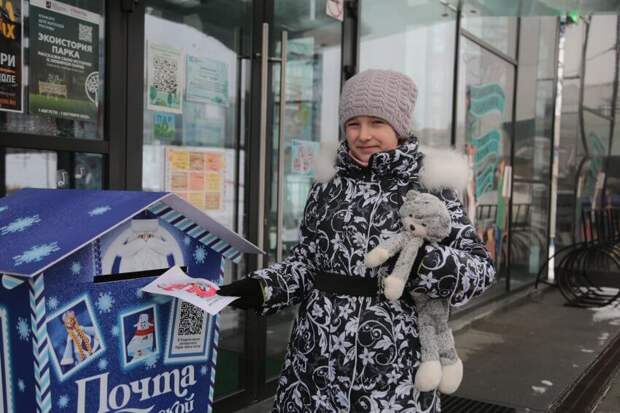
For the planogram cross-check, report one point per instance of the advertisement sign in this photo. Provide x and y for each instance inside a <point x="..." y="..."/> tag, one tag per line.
<point x="11" y="57"/>
<point x="64" y="61"/>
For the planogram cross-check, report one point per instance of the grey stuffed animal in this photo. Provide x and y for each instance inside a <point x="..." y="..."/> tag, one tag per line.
<point x="424" y="216"/>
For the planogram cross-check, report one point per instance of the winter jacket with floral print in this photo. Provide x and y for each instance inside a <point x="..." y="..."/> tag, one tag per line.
<point x="360" y="354"/>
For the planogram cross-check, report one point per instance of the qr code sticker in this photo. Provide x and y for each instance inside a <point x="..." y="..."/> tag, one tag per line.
<point x="191" y="320"/>
<point x="165" y="74"/>
<point x="86" y="33"/>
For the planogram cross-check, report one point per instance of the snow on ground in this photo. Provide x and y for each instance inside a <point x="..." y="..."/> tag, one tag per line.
<point x="600" y="290"/>
<point x="543" y="388"/>
<point x="602" y="339"/>
<point x="610" y="313"/>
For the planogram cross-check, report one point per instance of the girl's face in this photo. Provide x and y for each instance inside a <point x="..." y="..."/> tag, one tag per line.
<point x="367" y="135"/>
<point x="69" y="322"/>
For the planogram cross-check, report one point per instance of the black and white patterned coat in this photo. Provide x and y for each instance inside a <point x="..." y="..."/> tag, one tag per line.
<point x="360" y="354"/>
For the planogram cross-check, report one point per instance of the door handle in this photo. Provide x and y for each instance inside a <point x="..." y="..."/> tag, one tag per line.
<point x="62" y="179"/>
<point x="281" y="139"/>
<point x="262" y="156"/>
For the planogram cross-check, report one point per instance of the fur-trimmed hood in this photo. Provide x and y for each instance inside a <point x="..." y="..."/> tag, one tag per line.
<point x="441" y="168"/>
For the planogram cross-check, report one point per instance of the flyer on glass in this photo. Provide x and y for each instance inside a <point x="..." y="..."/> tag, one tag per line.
<point x="207" y="80"/>
<point x="164" y="78"/>
<point x="11" y="56"/>
<point x="197" y="176"/>
<point x="64" y="61"/>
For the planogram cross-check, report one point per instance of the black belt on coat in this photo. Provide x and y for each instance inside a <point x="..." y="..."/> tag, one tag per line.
<point x="346" y="284"/>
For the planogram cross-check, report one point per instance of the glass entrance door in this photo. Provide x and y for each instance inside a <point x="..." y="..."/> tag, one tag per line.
<point x="196" y="85"/>
<point x="306" y="89"/>
<point x="237" y="96"/>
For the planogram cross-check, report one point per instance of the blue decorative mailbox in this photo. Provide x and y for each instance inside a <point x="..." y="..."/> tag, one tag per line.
<point x="76" y="332"/>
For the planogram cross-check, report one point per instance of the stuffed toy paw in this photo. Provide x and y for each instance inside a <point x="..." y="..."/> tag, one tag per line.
<point x="451" y="376"/>
<point x="376" y="257"/>
<point x="393" y="287"/>
<point x="428" y="376"/>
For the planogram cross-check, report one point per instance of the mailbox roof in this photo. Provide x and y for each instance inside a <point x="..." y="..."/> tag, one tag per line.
<point x="40" y="227"/>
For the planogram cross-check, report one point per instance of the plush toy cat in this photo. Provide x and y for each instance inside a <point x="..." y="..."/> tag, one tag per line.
<point x="424" y="217"/>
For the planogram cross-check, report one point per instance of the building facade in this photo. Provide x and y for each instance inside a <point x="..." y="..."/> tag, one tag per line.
<point x="226" y="103"/>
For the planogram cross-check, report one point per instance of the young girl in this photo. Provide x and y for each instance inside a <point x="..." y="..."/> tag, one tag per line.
<point x="351" y="349"/>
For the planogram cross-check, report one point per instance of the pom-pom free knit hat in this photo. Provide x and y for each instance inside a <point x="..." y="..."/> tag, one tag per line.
<point x="384" y="94"/>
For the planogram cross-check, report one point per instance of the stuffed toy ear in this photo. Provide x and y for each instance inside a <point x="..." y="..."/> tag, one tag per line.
<point x="444" y="220"/>
<point x="412" y="195"/>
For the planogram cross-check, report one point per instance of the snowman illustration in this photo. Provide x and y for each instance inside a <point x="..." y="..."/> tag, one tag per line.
<point x="82" y="341"/>
<point x="142" y="342"/>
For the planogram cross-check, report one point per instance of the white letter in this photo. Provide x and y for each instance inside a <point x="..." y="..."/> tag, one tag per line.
<point x="141" y="387"/>
<point x="187" y="380"/>
<point x="157" y="389"/>
<point x="126" y="396"/>
<point x="103" y="392"/>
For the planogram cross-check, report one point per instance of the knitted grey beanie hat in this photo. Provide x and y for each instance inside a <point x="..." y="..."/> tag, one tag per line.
<point x="384" y="94"/>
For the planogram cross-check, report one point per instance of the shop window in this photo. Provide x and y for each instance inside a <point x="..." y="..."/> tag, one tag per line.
<point x="528" y="237"/>
<point x="535" y="100"/>
<point x="600" y="64"/>
<point x="29" y="168"/>
<point x="61" y="69"/>
<point x="485" y="124"/>
<point x="492" y="22"/>
<point x="419" y="40"/>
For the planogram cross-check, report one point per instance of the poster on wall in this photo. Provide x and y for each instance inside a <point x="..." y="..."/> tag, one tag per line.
<point x="335" y="9"/>
<point x="64" y="61"/>
<point x="197" y="176"/>
<point x="164" y="78"/>
<point x="11" y="57"/>
<point x="207" y="81"/>
<point x="164" y="127"/>
<point x="484" y="147"/>
<point x="299" y="120"/>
